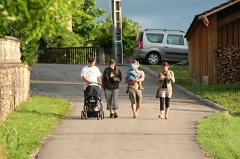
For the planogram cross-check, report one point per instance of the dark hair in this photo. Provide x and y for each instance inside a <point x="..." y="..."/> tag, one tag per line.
<point x="91" y="59"/>
<point x="165" y="64"/>
<point x="112" y="61"/>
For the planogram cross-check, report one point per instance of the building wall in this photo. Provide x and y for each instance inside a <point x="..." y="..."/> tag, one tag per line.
<point x="203" y="52"/>
<point x="223" y="30"/>
<point x="228" y="26"/>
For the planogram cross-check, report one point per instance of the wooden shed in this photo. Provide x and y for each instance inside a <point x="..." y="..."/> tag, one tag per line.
<point x="214" y="45"/>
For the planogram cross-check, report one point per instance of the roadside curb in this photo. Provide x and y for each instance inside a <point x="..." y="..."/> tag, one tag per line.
<point x="197" y="97"/>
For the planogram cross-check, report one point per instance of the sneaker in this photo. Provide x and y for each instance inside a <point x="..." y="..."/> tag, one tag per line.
<point x="111" y="115"/>
<point x="115" y="115"/>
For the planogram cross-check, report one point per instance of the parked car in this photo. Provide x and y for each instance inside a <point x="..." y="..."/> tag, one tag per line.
<point x="155" y="45"/>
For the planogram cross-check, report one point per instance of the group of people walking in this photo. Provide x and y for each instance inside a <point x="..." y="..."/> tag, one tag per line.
<point x="112" y="76"/>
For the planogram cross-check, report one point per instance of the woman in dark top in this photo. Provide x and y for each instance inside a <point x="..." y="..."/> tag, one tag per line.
<point x="111" y="78"/>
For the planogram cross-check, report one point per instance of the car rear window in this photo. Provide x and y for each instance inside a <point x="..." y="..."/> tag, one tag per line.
<point x="155" y="38"/>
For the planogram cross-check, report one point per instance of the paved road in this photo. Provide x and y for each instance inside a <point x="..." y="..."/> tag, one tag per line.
<point x="146" y="137"/>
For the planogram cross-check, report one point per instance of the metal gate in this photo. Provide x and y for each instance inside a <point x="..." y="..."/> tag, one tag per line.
<point x="68" y="55"/>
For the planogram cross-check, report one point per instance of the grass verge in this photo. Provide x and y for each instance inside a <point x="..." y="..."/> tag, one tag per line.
<point x="218" y="134"/>
<point x="24" y="129"/>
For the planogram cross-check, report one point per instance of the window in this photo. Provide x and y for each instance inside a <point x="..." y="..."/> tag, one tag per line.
<point x="155" y="38"/>
<point x="175" y="39"/>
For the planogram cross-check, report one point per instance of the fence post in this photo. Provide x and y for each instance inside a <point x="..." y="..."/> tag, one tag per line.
<point x="100" y="55"/>
<point x="67" y="56"/>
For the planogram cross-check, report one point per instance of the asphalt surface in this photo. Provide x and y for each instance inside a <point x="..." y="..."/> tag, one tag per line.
<point x="145" y="137"/>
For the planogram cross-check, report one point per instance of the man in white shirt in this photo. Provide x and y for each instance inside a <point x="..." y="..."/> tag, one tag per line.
<point x="91" y="74"/>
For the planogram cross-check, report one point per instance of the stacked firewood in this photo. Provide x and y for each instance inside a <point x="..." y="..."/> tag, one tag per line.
<point x="228" y="65"/>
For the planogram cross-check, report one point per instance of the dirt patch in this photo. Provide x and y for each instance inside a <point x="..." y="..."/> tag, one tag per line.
<point x="3" y="153"/>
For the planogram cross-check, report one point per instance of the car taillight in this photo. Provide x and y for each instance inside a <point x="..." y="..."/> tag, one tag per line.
<point x="140" y="44"/>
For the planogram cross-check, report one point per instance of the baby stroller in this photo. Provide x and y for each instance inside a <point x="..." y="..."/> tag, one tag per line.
<point x="92" y="103"/>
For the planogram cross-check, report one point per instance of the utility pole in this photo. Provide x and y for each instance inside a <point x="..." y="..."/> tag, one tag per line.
<point x="117" y="47"/>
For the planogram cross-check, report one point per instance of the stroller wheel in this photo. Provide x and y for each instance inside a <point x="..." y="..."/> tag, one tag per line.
<point x="85" y="114"/>
<point x="101" y="115"/>
<point x="98" y="114"/>
<point x="82" y="114"/>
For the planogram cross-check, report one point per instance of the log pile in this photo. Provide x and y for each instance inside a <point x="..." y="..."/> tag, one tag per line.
<point x="228" y="65"/>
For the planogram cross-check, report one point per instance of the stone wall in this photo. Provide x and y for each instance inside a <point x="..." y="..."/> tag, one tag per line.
<point x="14" y="76"/>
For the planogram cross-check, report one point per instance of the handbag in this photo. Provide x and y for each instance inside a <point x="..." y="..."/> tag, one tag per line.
<point x="157" y="94"/>
<point x="164" y="83"/>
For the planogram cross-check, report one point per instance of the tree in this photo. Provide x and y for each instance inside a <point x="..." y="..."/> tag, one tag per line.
<point x="129" y="32"/>
<point x="83" y="24"/>
<point x="63" y="38"/>
<point x="34" y="17"/>
<point x="29" y="20"/>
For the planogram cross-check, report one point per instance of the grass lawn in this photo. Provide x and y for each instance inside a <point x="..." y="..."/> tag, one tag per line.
<point x="24" y="129"/>
<point x="219" y="134"/>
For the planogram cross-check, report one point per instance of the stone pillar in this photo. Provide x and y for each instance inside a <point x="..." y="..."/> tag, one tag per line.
<point x="10" y="50"/>
<point x="14" y="76"/>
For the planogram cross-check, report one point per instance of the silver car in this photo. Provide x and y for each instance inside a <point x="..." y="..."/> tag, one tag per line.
<point x="155" y="45"/>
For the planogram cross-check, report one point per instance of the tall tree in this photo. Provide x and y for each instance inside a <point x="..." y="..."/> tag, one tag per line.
<point x="83" y="24"/>
<point x="29" y="20"/>
<point x="129" y="32"/>
<point x="34" y="17"/>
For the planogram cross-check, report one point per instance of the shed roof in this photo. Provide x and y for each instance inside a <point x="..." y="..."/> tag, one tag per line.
<point x="199" y="17"/>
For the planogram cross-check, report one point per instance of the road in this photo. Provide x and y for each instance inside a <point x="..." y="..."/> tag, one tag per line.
<point x="146" y="137"/>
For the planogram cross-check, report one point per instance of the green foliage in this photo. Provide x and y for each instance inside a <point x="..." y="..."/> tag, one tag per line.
<point x="63" y="38"/>
<point x="29" y="20"/>
<point x="36" y="17"/>
<point x="43" y="23"/>
<point x="83" y="24"/>
<point x="29" y="52"/>
<point x="104" y="34"/>
<point x="24" y="129"/>
<point x="129" y="32"/>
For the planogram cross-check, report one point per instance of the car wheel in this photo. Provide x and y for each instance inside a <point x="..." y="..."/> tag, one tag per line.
<point x="153" y="59"/>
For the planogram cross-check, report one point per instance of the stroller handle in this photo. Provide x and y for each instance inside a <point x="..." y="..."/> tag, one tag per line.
<point x="94" y="83"/>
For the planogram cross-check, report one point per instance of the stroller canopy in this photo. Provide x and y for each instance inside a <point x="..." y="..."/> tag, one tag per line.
<point x="92" y="90"/>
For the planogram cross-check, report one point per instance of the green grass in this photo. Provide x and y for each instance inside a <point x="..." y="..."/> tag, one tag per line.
<point x="218" y="134"/>
<point x="24" y="129"/>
